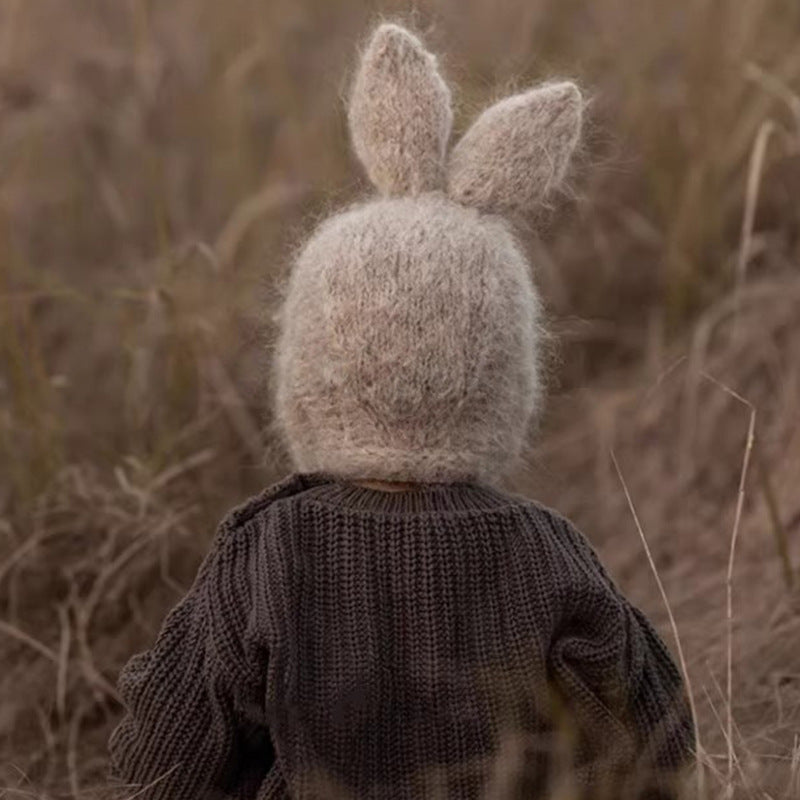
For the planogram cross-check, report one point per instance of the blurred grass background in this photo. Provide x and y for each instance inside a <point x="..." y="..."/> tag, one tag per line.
<point x="159" y="163"/>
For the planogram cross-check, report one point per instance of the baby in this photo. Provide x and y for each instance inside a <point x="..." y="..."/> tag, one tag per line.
<point x="387" y="621"/>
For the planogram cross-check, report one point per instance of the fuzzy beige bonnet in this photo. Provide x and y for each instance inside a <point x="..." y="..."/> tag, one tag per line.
<point x="408" y="345"/>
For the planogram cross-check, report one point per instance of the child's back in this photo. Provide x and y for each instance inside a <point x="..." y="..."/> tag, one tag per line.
<point x="365" y="644"/>
<point x="447" y="640"/>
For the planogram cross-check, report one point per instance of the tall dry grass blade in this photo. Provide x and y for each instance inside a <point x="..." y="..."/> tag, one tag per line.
<point x="775" y="86"/>
<point x="49" y="734"/>
<point x="701" y="787"/>
<point x="19" y="554"/>
<point x="793" y="789"/>
<point x="663" y="376"/>
<point x="755" y="172"/>
<point x="722" y="726"/>
<point x="266" y="201"/>
<point x="12" y="791"/>
<point x="729" y="577"/>
<point x="72" y="751"/>
<point x="22" y="778"/>
<point x="176" y="470"/>
<point x="85" y="611"/>
<point x="63" y="661"/>
<point x="35" y="644"/>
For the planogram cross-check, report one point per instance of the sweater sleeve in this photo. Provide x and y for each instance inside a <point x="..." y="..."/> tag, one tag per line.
<point x="633" y="727"/>
<point x="189" y="730"/>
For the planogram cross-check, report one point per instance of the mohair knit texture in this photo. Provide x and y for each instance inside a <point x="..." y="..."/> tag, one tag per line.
<point x="409" y="347"/>
<point x="403" y="153"/>
<point x="344" y="642"/>
<point x="409" y="334"/>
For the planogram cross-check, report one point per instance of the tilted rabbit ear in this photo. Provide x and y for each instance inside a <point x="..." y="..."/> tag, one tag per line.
<point x="400" y="115"/>
<point x="517" y="150"/>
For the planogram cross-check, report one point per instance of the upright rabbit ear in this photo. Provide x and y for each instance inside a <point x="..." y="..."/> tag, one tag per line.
<point x="400" y="115"/>
<point x="517" y="150"/>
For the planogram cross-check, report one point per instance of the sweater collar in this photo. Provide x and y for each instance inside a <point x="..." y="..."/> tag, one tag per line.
<point x="331" y="490"/>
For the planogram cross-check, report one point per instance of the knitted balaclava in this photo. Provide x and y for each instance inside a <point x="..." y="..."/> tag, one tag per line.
<point x="409" y="331"/>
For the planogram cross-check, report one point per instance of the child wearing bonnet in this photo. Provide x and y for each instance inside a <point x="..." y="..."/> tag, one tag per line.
<point x="387" y="621"/>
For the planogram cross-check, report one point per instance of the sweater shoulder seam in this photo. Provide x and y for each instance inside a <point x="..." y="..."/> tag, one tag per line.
<point x="245" y="511"/>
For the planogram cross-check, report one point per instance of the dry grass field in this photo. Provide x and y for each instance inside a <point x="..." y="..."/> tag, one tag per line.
<point x="160" y="162"/>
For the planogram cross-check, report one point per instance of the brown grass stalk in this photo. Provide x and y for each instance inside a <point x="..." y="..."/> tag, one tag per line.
<point x="700" y="759"/>
<point x="729" y="576"/>
<point x="754" y="174"/>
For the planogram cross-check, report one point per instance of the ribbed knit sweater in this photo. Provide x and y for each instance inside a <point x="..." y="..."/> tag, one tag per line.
<point x="452" y="641"/>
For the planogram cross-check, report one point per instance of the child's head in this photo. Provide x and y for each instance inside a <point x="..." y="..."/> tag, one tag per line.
<point x="409" y="335"/>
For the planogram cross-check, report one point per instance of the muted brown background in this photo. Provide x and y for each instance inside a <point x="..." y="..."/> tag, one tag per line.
<point x="159" y="164"/>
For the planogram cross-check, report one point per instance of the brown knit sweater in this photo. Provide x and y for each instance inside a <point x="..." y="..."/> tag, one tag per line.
<point x="449" y="641"/>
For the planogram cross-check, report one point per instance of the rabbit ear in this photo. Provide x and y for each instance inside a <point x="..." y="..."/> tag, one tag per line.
<point x="400" y="115"/>
<point x="517" y="150"/>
